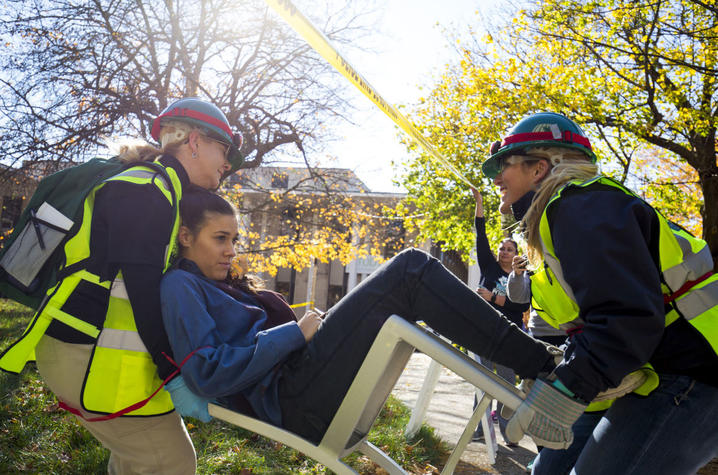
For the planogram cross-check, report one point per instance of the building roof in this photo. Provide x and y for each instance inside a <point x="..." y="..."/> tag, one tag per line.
<point x="303" y="180"/>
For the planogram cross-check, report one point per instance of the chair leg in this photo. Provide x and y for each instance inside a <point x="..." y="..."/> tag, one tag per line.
<point x="382" y="459"/>
<point x="422" y="401"/>
<point x="455" y="456"/>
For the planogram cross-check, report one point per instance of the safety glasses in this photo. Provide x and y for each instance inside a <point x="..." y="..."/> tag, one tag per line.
<point x="514" y="159"/>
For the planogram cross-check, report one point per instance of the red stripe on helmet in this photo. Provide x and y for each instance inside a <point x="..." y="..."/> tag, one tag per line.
<point x="567" y="136"/>
<point x="192" y="114"/>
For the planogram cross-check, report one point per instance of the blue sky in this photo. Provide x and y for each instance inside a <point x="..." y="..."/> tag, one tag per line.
<point x="407" y="52"/>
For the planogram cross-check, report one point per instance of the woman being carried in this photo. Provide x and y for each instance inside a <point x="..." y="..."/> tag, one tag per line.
<point x="295" y="375"/>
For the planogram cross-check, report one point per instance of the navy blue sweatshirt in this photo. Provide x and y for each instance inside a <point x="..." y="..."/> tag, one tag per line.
<point x="607" y="242"/>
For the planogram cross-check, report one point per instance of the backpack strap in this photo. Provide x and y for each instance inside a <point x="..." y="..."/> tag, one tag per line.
<point x="159" y="170"/>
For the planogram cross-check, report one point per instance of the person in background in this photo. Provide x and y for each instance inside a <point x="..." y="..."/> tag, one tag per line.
<point x="637" y="296"/>
<point x="518" y="289"/>
<point x="98" y="339"/>
<point x="495" y="270"/>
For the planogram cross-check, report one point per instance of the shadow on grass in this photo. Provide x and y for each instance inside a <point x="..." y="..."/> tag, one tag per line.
<point x="37" y="437"/>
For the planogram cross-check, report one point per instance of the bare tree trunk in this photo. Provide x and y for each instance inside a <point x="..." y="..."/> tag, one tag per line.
<point x="709" y="183"/>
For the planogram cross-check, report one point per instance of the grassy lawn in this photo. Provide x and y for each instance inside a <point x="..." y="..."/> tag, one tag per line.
<point x="37" y="437"/>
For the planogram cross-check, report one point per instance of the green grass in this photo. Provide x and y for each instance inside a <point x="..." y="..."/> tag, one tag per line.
<point x="38" y="437"/>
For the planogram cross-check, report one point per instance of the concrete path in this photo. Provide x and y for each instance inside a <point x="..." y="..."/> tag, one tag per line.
<point x="449" y="410"/>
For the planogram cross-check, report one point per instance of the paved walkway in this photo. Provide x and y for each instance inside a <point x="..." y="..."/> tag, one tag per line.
<point x="449" y="410"/>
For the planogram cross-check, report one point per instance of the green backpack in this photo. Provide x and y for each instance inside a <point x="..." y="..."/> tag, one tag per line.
<point x="32" y="259"/>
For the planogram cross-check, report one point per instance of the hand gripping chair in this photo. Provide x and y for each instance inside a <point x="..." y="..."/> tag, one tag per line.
<point x="387" y="357"/>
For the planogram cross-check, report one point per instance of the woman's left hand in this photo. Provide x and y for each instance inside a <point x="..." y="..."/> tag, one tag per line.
<point x="186" y="402"/>
<point x="309" y="324"/>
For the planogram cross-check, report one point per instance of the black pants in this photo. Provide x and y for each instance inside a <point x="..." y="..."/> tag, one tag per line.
<point x="415" y="286"/>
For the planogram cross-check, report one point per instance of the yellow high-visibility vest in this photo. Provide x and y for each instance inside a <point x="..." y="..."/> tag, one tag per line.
<point x="121" y="371"/>
<point x="685" y="265"/>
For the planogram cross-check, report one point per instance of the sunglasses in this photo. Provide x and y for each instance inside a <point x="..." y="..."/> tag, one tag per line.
<point x="236" y="141"/>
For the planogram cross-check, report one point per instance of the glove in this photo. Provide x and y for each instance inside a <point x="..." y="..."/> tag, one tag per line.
<point x="630" y="382"/>
<point x="526" y="384"/>
<point x="186" y="402"/>
<point x="524" y="387"/>
<point x="627" y="385"/>
<point x="547" y="415"/>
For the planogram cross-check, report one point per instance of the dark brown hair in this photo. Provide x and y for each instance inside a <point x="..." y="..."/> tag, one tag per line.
<point x="508" y="239"/>
<point x="196" y="202"/>
<point x="195" y="205"/>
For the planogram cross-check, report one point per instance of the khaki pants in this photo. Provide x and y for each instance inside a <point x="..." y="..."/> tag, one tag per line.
<point x="138" y="445"/>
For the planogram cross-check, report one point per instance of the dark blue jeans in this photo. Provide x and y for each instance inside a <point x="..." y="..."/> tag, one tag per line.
<point x="415" y="286"/>
<point x="672" y="431"/>
<point x="560" y="462"/>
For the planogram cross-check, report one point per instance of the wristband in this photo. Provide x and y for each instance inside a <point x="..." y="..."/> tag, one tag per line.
<point x="560" y="386"/>
<point x="493" y="298"/>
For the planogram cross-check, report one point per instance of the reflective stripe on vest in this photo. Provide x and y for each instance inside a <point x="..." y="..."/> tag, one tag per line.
<point x="121" y="353"/>
<point x="683" y="258"/>
<point x="121" y="359"/>
<point x="118" y="339"/>
<point x="121" y="340"/>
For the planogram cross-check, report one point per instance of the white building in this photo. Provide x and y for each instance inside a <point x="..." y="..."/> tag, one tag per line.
<point x="331" y="281"/>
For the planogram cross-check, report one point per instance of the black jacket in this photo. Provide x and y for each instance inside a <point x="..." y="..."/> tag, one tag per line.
<point x="607" y="242"/>
<point x="131" y="226"/>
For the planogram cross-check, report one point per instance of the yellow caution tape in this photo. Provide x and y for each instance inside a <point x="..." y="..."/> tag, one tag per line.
<point x="302" y="304"/>
<point x="321" y="45"/>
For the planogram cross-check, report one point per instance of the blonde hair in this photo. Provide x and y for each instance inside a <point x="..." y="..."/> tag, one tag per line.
<point x="172" y="135"/>
<point x="567" y="165"/>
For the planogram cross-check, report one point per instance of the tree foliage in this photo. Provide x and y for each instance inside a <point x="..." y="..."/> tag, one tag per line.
<point x="321" y="214"/>
<point x="74" y="71"/>
<point x="639" y="77"/>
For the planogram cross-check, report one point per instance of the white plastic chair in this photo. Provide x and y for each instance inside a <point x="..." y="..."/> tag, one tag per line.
<point x="387" y="357"/>
<point x="481" y="414"/>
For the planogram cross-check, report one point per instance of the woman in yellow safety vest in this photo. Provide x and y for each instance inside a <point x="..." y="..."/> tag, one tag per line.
<point x="98" y="337"/>
<point x="636" y="295"/>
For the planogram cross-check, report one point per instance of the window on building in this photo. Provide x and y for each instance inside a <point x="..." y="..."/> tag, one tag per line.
<point x="452" y="260"/>
<point x="11" y="209"/>
<point x="289" y="223"/>
<point x="284" y="289"/>
<point x="338" y="279"/>
<point x="394" y="238"/>
<point x="284" y="282"/>
<point x="334" y="294"/>
<point x="280" y="180"/>
<point x="240" y="179"/>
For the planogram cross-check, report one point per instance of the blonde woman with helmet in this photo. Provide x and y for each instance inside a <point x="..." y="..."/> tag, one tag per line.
<point x="636" y="296"/>
<point x="98" y="338"/>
